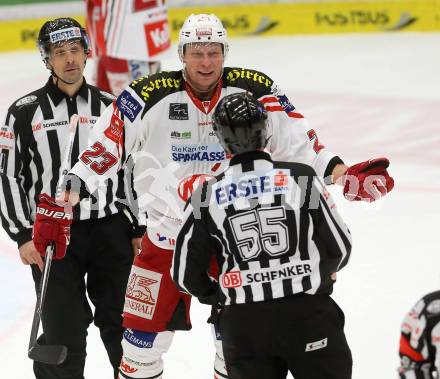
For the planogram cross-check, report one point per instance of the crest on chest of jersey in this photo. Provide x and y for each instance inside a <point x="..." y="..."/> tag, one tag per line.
<point x="178" y="111"/>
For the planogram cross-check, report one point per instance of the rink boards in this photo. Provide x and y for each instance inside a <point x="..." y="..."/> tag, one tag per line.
<point x="20" y="24"/>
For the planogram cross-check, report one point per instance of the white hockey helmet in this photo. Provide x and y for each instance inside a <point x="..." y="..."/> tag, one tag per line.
<point x="202" y="28"/>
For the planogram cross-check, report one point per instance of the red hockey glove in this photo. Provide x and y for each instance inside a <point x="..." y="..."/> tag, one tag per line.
<point x="52" y="224"/>
<point x="367" y="181"/>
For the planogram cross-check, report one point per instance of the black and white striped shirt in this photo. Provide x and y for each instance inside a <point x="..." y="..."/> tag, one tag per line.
<point x="273" y="228"/>
<point x="33" y="141"/>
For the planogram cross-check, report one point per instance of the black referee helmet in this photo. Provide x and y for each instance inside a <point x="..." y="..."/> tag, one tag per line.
<point x="58" y="31"/>
<point x="240" y="122"/>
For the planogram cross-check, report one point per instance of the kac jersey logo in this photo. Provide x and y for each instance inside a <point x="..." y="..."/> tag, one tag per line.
<point x="188" y="185"/>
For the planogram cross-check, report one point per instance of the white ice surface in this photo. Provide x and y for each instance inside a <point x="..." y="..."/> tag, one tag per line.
<point x="367" y="96"/>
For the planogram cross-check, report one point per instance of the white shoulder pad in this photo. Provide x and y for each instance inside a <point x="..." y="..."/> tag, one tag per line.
<point x="26" y="100"/>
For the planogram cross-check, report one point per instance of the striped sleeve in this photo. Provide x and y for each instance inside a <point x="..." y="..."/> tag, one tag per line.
<point x="330" y="227"/>
<point x="14" y="206"/>
<point x="192" y="257"/>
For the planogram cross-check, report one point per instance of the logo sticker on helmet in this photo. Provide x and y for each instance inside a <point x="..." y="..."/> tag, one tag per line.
<point x="203" y="32"/>
<point x="64" y="34"/>
<point x="202" y="28"/>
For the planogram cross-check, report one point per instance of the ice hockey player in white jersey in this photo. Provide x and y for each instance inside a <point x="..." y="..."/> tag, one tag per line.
<point x="419" y="347"/>
<point x="165" y="121"/>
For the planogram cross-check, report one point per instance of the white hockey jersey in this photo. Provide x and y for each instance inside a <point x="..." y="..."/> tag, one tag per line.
<point x="128" y="29"/>
<point x="169" y="132"/>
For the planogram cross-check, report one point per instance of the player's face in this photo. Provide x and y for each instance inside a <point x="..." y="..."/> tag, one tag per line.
<point x="203" y="64"/>
<point x="68" y="61"/>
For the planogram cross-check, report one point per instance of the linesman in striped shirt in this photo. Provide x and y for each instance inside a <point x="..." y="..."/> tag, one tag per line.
<point x="33" y="143"/>
<point x="278" y="239"/>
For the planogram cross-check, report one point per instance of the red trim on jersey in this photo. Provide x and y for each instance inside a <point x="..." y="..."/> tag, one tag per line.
<point x="295" y="115"/>
<point x="406" y="349"/>
<point x="269" y="99"/>
<point x="141" y="5"/>
<point x="316" y="145"/>
<point x="215" y="167"/>
<point x="279" y="108"/>
<point x="274" y="108"/>
<point x="199" y="103"/>
<point x="95" y="24"/>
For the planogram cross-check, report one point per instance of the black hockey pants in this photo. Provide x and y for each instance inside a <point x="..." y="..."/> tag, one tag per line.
<point x="102" y="250"/>
<point x="302" y="334"/>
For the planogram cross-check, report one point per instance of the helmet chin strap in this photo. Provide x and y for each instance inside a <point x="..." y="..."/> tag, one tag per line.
<point x="58" y="78"/>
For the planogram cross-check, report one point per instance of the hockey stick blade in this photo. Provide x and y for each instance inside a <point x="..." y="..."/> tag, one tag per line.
<point x="49" y="354"/>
